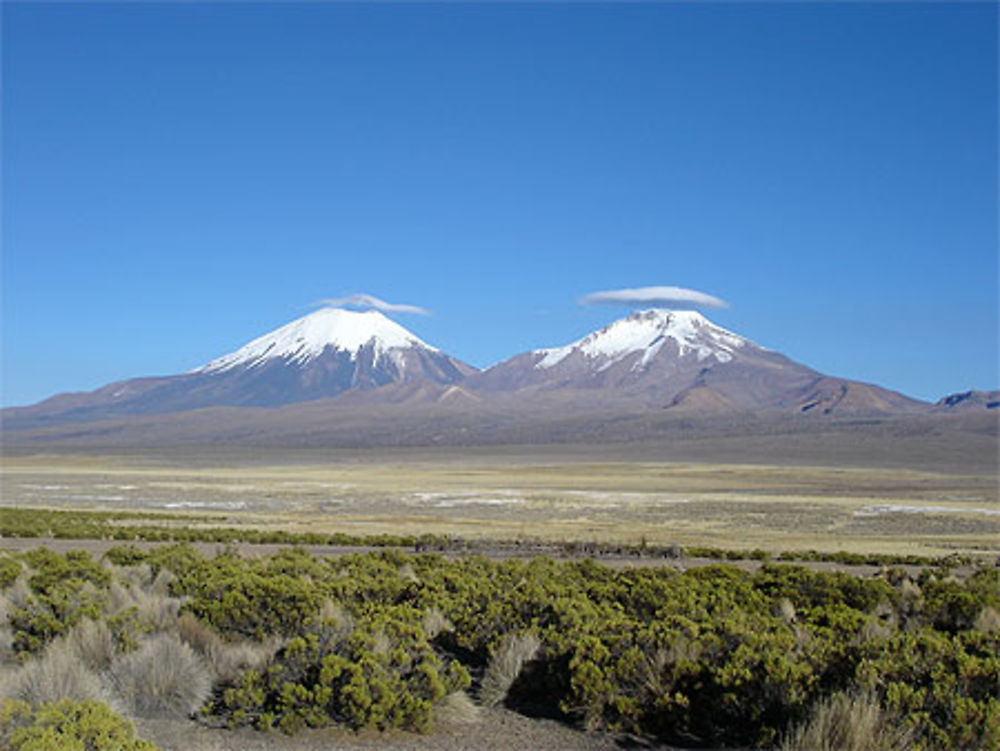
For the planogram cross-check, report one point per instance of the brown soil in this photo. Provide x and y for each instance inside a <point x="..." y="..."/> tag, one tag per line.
<point x="496" y="730"/>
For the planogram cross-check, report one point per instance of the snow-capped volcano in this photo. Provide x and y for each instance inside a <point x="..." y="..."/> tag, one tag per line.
<point x="643" y="364"/>
<point x="678" y="359"/>
<point x="321" y="355"/>
<point x="654" y="348"/>
<point x="307" y="338"/>
<point x="647" y="332"/>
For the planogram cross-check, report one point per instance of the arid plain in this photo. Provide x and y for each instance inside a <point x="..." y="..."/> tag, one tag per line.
<point x="785" y="495"/>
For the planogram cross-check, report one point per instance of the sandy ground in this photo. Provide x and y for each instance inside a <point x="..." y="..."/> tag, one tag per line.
<point x="496" y="729"/>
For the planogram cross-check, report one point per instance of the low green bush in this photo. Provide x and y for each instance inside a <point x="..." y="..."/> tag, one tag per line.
<point x="66" y="726"/>
<point x="64" y="589"/>
<point x="711" y="656"/>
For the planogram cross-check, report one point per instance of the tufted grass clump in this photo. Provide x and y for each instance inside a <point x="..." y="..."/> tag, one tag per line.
<point x="58" y="673"/>
<point x="513" y="652"/>
<point x="162" y="678"/>
<point x="848" y="722"/>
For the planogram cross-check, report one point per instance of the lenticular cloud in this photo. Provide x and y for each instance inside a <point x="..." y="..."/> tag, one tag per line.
<point x="670" y="296"/>
<point x="362" y="300"/>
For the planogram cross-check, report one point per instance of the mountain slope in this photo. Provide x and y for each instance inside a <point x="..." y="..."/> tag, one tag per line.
<point x="968" y="401"/>
<point x="681" y="360"/>
<point x="320" y="355"/>
<point x="364" y="371"/>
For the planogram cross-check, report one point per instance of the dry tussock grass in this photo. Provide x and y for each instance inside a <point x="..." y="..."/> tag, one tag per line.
<point x="874" y="630"/>
<point x="333" y="613"/>
<point x="910" y="590"/>
<point x="15" y="596"/>
<point x="334" y="624"/>
<point x="227" y="659"/>
<point x="435" y="623"/>
<point x="196" y="634"/>
<point x="7" y="654"/>
<point x="56" y="674"/>
<point x="407" y="572"/>
<point x="156" y="612"/>
<point x="988" y="621"/>
<point x="93" y="644"/>
<point x="457" y="708"/>
<point x="848" y="722"/>
<point x="162" y="678"/>
<point x="161" y="582"/>
<point x="509" y="658"/>
<point x="786" y="611"/>
<point x="139" y="575"/>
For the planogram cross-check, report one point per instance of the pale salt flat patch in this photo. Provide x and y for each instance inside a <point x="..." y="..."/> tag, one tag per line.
<point x="88" y="497"/>
<point x="603" y="499"/>
<point x="439" y="494"/>
<point x="215" y="486"/>
<point x="879" y="509"/>
<point x="318" y="484"/>
<point x="627" y="496"/>
<point x="473" y="501"/>
<point x="425" y="496"/>
<point x="228" y="505"/>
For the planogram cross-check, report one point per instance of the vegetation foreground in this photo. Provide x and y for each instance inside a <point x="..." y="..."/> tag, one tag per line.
<point x="783" y="657"/>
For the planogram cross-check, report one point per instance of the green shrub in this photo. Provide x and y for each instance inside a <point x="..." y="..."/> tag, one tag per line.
<point x="10" y="569"/>
<point x="66" y="726"/>
<point x="383" y="674"/>
<point x="711" y="656"/>
<point x="64" y="589"/>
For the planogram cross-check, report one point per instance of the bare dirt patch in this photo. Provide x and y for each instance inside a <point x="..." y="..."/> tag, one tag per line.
<point x="496" y="729"/>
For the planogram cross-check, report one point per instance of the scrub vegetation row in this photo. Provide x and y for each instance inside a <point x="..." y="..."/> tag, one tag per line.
<point x="713" y="656"/>
<point x="135" y="526"/>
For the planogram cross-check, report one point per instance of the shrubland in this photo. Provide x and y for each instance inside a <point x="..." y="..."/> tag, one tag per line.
<point x="711" y="656"/>
<point x="137" y="526"/>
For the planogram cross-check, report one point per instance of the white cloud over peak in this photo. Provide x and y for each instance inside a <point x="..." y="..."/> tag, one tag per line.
<point x="363" y="300"/>
<point x="669" y="296"/>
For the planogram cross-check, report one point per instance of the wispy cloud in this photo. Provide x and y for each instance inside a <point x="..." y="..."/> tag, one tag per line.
<point x="363" y="300"/>
<point x="669" y="296"/>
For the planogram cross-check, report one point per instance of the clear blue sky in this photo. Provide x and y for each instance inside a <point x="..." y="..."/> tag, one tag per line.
<point x="180" y="178"/>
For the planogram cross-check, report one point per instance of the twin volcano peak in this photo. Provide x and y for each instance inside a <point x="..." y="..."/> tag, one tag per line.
<point x="307" y="338"/>
<point x="647" y="331"/>
<point x="651" y="359"/>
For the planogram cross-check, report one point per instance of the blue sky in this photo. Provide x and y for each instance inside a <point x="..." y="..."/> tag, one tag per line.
<point x="180" y="178"/>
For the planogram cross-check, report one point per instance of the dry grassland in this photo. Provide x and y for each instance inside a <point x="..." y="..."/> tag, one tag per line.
<point x="555" y="497"/>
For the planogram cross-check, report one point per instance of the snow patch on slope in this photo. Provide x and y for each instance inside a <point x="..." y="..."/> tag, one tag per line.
<point x="647" y="331"/>
<point x="305" y="339"/>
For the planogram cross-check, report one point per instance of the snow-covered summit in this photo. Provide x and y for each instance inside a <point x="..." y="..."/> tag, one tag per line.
<point x="647" y="331"/>
<point x="308" y="337"/>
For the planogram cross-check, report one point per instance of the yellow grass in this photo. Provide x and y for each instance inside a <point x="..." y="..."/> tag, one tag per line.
<point x="524" y="496"/>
